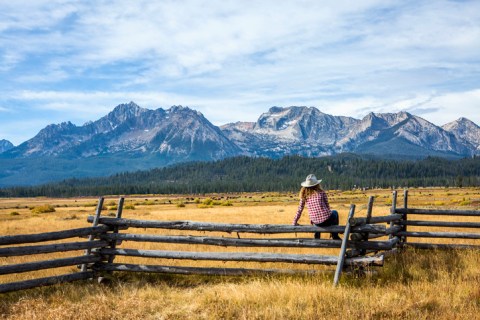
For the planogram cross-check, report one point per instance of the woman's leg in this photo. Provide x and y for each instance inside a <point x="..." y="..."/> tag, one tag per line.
<point x="331" y="221"/>
<point x="335" y="220"/>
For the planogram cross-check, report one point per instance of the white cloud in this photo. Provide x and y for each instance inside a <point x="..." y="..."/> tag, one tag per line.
<point x="29" y="127"/>
<point x="436" y="108"/>
<point x="450" y="106"/>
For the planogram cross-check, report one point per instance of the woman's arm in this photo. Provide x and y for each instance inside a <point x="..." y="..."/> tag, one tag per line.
<point x="301" y="205"/>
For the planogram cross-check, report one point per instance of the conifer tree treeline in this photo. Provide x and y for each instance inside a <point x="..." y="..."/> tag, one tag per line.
<point x="247" y="174"/>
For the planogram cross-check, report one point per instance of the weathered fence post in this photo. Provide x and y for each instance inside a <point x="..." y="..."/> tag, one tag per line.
<point x="94" y="224"/>
<point x="404" y="216"/>
<point x="367" y="221"/>
<point x="343" y="249"/>
<point x="393" y="209"/>
<point x="113" y="243"/>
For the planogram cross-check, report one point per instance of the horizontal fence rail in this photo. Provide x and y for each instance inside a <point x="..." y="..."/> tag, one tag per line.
<point x="440" y="224"/>
<point x="48" y="264"/>
<point x="379" y="219"/>
<point x="51" y="248"/>
<point x="233" y="228"/>
<point x="451" y="235"/>
<point x="437" y="212"/>
<point x="241" y="256"/>
<point x="29" y="284"/>
<point x="441" y="246"/>
<point x="51" y="236"/>
<point x="250" y="242"/>
<point x="199" y="270"/>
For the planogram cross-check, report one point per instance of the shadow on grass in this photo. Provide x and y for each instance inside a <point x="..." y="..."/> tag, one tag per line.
<point x="412" y="265"/>
<point x="192" y="281"/>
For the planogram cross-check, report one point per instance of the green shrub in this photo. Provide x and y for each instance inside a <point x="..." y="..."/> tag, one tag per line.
<point x="181" y="204"/>
<point x="14" y="213"/>
<point x="46" y="208"/>
<point x="227" y="203"/>
<point x="207" y="201"/>
<point x="130" y="207"/>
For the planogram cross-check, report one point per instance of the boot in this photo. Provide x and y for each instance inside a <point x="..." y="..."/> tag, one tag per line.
<point x="335" y="236"/>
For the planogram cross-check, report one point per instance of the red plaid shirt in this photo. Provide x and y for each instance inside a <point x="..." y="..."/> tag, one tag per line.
<point x="318" y="208"/>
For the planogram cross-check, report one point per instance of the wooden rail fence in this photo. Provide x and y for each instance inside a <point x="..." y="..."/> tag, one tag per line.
<point x="365" y="241"/>
<point x="50" y="248"/>
<point x="426" y="233"/>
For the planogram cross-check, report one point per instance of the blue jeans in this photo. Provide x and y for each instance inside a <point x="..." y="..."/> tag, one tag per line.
<point x="331" y="221"/>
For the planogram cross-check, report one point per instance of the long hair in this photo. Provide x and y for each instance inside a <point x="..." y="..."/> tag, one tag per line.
<point x="306" y="192"/>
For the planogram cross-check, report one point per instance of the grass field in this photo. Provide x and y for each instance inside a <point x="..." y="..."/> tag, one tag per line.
<point x="412" y="284"/>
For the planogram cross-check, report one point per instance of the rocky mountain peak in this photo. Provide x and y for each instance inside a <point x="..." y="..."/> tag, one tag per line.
<point x="53" y="129"/>
<point x="119" y="115"/>
<point x="278" y="118"/>
<point x="275" y="109"/>
<point x="184" y="110"/>
<point x="126" y="111"/>
<point x="460" y="124"/>
<point x="5" y="145"/>
<point x="392" y="119"/>
<point x="465" y="130"/>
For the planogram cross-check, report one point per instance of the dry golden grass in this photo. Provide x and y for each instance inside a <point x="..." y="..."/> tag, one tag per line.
<point x="412" y="285"/>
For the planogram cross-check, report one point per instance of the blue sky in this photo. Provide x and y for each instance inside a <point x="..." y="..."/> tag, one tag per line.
<point x="64" y="60"/>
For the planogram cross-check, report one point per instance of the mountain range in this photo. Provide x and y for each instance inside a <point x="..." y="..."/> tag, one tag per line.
<point x="134" y="138"/>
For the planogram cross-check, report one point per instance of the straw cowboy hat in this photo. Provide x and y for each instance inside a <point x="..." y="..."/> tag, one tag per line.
<point x="310" y="181"/>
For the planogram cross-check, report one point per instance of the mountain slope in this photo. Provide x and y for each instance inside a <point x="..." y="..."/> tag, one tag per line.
<point x="5" y="145"/>
<point x="466" y="130"/>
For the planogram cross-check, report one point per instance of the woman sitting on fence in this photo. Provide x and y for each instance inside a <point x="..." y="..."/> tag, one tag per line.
<point x="318" y="207"/>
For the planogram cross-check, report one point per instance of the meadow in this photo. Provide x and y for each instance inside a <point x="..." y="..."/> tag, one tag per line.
<point x="413" y="284"/>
